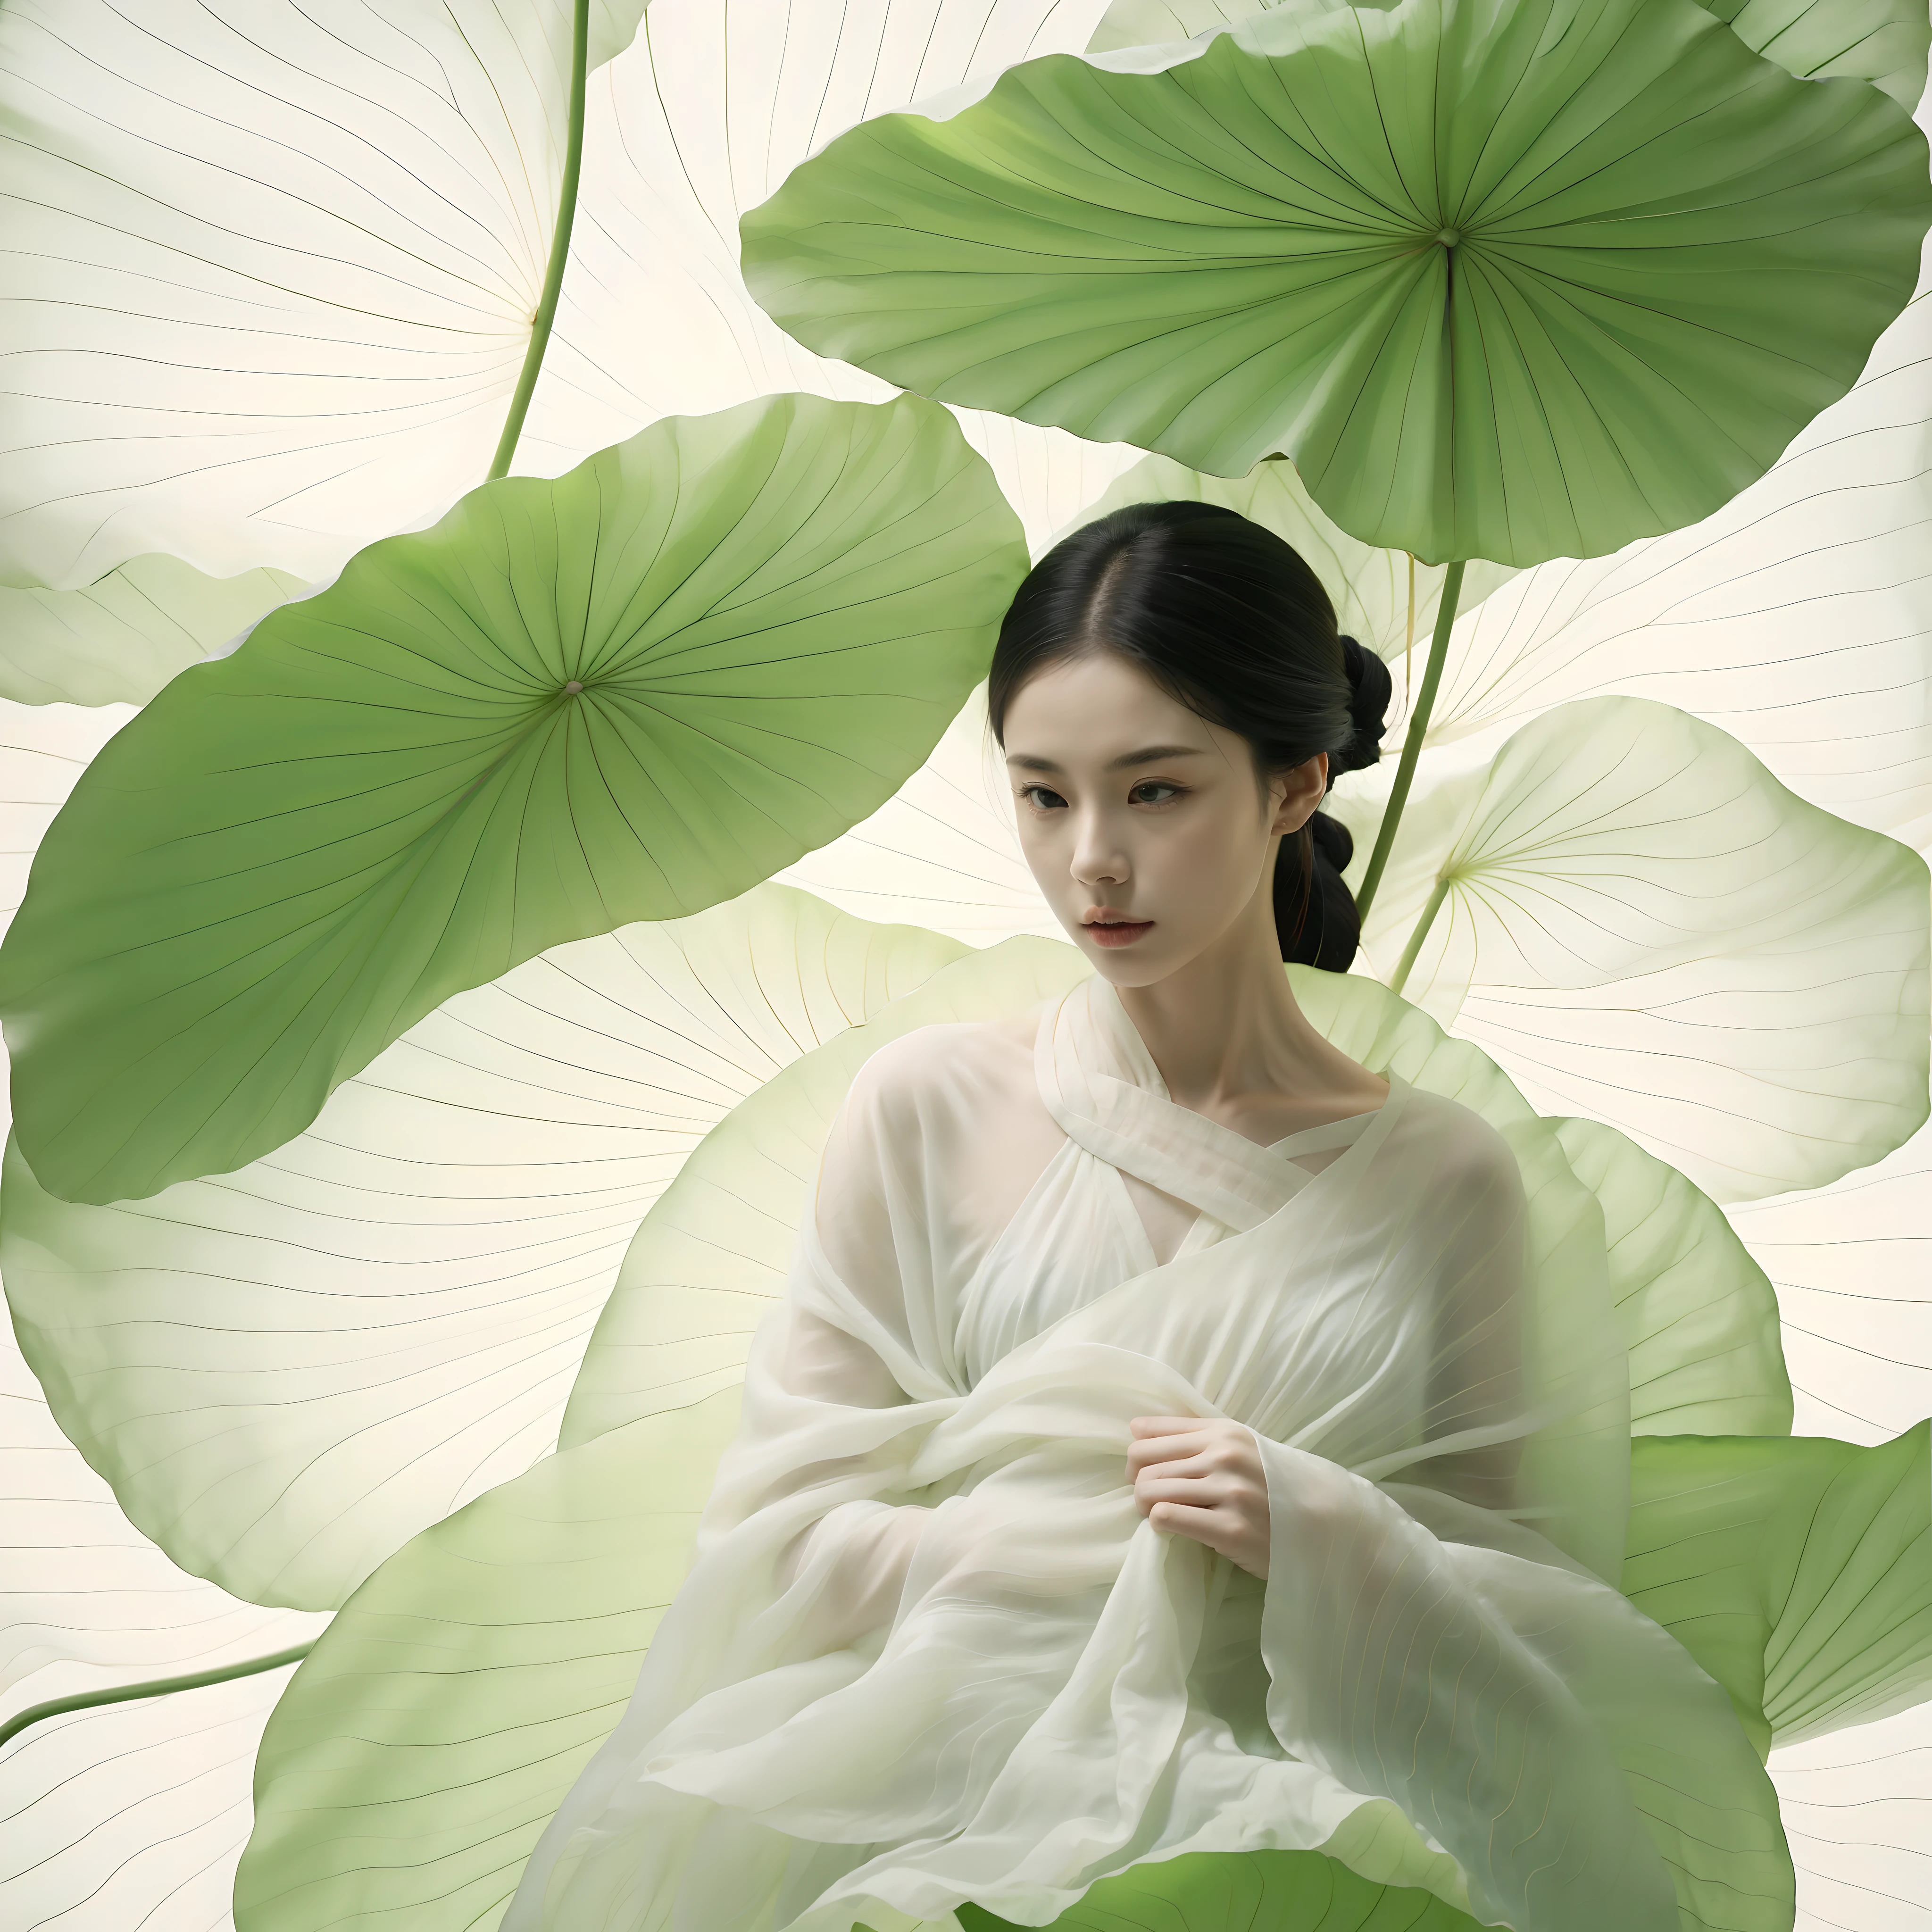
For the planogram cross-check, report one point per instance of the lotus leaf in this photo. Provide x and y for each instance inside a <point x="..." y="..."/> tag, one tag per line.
<point x="1643" y="927"/>
<point x="626" y="694"/>
<point x="273" y="273"/>
<point x="1507" y="281"/>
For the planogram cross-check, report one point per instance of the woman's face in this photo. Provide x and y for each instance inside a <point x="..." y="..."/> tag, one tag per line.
<point x="1143" y="822"/>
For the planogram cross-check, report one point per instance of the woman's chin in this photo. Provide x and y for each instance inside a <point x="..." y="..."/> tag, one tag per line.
<point x="1138" y="958"/>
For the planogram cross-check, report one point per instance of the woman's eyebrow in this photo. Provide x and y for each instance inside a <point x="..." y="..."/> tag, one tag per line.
<point x="1150" y="753"/>
<point x="1147" y="755"/>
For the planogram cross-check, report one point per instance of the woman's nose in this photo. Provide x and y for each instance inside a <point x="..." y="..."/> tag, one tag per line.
<point x="1098" y="858"/>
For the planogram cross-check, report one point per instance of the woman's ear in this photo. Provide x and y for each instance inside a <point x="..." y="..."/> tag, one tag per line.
<point x="1298" y="791"/>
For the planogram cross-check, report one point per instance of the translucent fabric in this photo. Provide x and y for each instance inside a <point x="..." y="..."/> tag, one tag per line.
<point x="929" y="1652"/>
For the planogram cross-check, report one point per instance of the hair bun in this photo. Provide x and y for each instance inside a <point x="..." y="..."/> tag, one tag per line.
<point x="1332" y="841"/>
<point x="1370" y="688"/>
<point x="1317" y="914"/>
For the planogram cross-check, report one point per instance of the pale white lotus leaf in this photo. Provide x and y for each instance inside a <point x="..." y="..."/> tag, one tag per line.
<point x="1699" y="1319"/>
<point x="1798" y="617"/>
<point x="43" y="750"/>
<point x="1448" y="786"/>
<point x="133" y="1816"/>
<point x="703" y="118"/>
<point x="286" y="1371"/>
<point x="1857" y="1808"/>
<point x="1642" y="926"/>
<point x="942" y="852"/>
<point x="117" y="640"/>
<point x="86" y="1601"/>
<point x="272" y="268"/>
<point x="1141" y="23"/>
<point x="1852" y="1264"/>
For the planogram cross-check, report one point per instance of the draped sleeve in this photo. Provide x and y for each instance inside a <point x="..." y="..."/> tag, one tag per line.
<point x="1476" y="1384"/>
<point x="1424" y="1645"/>
<point x="909" y="1194"/>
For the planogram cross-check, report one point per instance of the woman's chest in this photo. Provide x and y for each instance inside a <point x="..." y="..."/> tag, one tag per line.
<point x="1297" y="1312"/>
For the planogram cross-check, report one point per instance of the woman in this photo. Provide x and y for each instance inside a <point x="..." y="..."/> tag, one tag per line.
<point x="1146" y="1457"/>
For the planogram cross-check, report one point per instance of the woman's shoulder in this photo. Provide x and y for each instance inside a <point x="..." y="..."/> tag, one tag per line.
<point x="950" y="1067"/>
<point x="1467" y="1150"/>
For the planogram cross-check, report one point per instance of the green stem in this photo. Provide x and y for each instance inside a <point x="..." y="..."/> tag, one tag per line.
<point x="1420" y="933"/>
<point x="158" y="1686"/>
<point x="1411" y="744"/>
<point x="559" y="247"/>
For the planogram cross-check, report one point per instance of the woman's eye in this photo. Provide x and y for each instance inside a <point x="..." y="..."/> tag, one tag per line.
<point x="1153" y="791"/>
<point x="1040" y="798"/>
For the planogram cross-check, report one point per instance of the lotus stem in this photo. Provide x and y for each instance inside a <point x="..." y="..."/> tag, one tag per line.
<point x="1421" y="932"/>
<point x="560" y="247"/>
<point x="1411" y="743"/>
<point x="156" y="1686"/>
<point x="1408" y="640"/>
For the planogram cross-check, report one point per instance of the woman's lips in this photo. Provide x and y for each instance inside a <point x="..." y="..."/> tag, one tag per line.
<point x="1118" y="932"/>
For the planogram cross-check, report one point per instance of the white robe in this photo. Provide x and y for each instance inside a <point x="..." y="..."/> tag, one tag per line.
<point x="929" y="1651"/>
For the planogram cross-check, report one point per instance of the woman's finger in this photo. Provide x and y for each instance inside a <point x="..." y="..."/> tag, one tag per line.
<point x="1198" y="1525"/>
<point x="1203" y="1492"/>
<point x="1165" y="1449"/>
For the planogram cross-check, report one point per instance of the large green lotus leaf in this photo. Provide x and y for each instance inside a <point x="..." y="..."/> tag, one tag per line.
<point x="1644" y="927"/>
<point x="273" y="270"/>
<point x="1850" y="1263"/>
<point x="287" y="1371"/>
<point x="1797" y="1571"/>
<point x="1700" y="1319"/>
<point x="1726" y="620"/>
<point x="704" y="116"/>
<point x="119" y="641"/>
<point x="1883" y="41"/>
<point x="422" y="1747"/>
<point x="627" y="694"/>
<point x="1508" y="281"/>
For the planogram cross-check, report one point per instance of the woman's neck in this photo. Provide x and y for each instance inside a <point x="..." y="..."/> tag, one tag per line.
<point x="1231" y="1041"/>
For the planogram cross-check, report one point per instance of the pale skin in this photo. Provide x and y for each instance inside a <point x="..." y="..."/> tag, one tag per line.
<point x="1137" y="816"/>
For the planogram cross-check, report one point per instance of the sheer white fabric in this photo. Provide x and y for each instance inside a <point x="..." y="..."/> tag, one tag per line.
<point x="930" y="1651"/>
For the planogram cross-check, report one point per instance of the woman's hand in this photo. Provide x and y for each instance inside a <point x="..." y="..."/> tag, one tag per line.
<point x="1203" y="1480"/>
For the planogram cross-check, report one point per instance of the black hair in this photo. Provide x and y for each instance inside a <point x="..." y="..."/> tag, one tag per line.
<point x="1229" y="620"/>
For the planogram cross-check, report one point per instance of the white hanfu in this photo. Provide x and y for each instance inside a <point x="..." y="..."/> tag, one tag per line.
<point x="930" y="1651"/>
